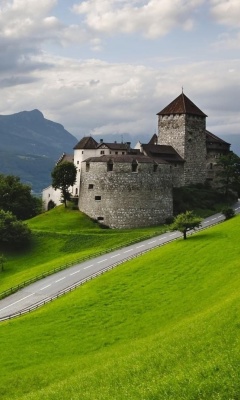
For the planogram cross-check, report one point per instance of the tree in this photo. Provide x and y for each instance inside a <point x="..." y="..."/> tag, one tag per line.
<point x="2" y="262"/>
<point x="64" y="176"/>
<point x="229" y="173"/>
<point x="16" y="197"/>
<point x="228" y="212"/>
<point x="12" y="231"/>
<point x="185" y="222"/>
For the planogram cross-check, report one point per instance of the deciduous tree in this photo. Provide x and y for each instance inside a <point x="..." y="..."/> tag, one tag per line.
<point x="64" y="176"/>
<point x="229" y="173"/>
<point x="16" y="197"/>
<point x="12" y="231"/>
<point x="185" y="222"/>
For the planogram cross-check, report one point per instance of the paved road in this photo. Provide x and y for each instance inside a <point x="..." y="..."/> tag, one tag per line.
<point x="52" y="286"/>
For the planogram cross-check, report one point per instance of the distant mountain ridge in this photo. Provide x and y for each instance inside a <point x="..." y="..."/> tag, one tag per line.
<point x="31" y="145"/>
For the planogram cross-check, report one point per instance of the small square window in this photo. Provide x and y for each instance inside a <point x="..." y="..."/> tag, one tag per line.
<point x="98" y="198"/>
<point x="102" y="152"/>
<point x="90" y="186"/>
<point x="100" y="218"/>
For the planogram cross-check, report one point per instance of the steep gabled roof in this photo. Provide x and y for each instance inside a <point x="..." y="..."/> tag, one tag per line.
<point x="163" y="152"/>
<point x="154" y="139"/>
<point x="86" y="143"/>
<point x="65" y="157"/>
<point x="210" y="137"/>
<point x="182" y="105"/>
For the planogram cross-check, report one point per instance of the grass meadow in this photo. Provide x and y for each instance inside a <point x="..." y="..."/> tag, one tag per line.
<point x="61" y="236"/>
<point x="164" y="326"/>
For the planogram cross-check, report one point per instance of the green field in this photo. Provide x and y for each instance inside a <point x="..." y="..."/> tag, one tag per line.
<point x="63" y="236"/>
<point x="163" y="326"/>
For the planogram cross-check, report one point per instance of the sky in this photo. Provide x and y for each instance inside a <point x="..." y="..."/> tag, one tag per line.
<point x="102" y="67"/>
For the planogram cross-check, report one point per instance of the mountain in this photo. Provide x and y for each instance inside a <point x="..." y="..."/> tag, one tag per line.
<point x="31" y="145"/>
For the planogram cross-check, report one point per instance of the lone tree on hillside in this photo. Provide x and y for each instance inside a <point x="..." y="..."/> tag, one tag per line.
<point x="229" y="174"/>
<point x="64" y="176"/>
<point x="185" y="222"/>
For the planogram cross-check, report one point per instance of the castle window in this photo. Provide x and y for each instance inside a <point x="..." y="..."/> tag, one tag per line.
<point x="100" y="218"/>
<point x="116" y="152"/>
<point x="134" y="166"/>
<point x="98" y="198"/>
<point x="155" y="167"/>
<point x="123" y="152"/>
<point x="211" y="165"/>
<point x="76" y="191"/>
<point x="102" y="152"/>
<point x="90" y="186"/>
<point x="87" y="166"/>
<point x="82" y="152"/>
<point x="110" y="166"/>
<point x="77" y="162"/>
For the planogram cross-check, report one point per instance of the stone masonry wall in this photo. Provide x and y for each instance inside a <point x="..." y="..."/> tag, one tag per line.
<point x="195" y="170"/>
<point x="186" y="133"/>
<point x="125" y="199"/>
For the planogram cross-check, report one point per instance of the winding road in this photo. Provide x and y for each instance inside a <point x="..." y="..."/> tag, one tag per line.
<point x="55" y="285"/>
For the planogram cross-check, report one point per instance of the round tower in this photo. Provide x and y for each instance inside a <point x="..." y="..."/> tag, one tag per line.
<point x="126" y="191"/>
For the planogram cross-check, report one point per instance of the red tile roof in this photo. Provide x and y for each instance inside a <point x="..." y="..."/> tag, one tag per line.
<point x="182" y="105"/>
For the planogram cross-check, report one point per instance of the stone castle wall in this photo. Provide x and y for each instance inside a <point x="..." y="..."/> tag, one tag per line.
<point x="187" y="135"/>
<point x="124" y="199"/>
<point x="195" y="150"/>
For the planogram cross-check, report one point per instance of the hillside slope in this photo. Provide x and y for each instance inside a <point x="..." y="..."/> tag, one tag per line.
<point x="163" y="326"/>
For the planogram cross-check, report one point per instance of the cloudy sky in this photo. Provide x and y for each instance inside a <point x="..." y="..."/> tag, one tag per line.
<point x="108" y="66"/>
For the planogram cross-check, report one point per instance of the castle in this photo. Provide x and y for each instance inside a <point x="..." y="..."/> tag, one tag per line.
<point x="123" y="187"/>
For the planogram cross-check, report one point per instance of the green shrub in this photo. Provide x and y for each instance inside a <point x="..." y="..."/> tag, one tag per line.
<point x="228" y="212"/>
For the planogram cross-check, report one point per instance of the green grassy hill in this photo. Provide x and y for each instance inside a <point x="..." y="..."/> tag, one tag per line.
<point x="62" y="236"/>
<point x="163" y="326"/>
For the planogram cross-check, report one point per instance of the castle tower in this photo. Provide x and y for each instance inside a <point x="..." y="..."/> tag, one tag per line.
<point x="182" y="125"/>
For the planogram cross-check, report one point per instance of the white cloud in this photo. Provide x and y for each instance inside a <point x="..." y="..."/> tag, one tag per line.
<point x="99" y="97"/>
<point x="226" y="12"/>
<point x="153" y="18"/>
